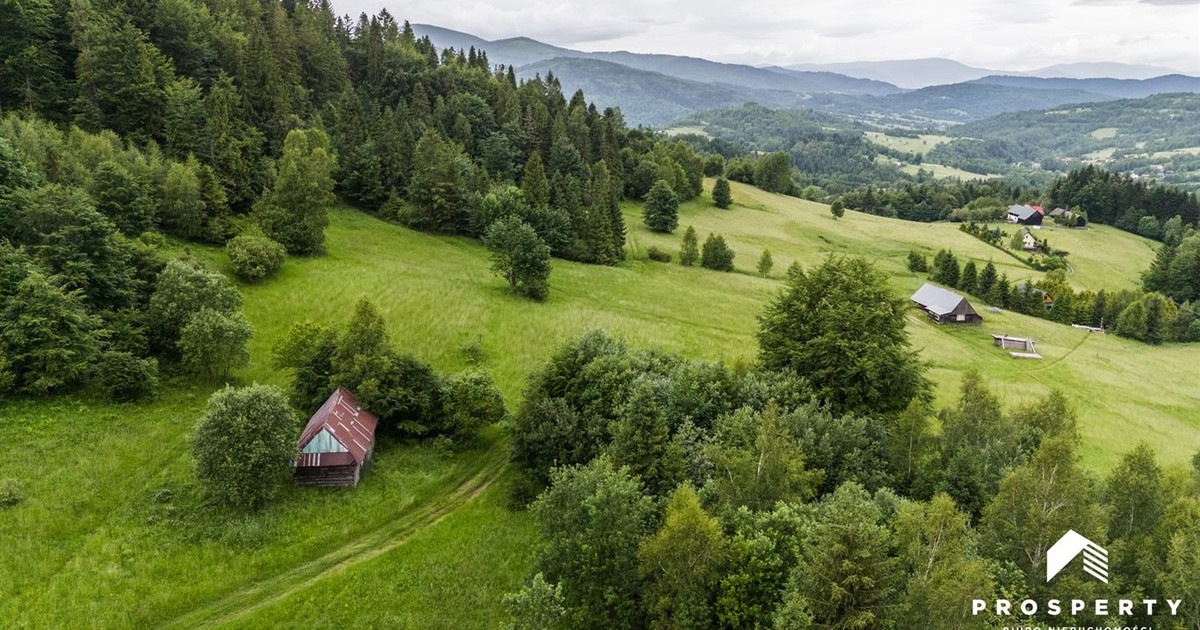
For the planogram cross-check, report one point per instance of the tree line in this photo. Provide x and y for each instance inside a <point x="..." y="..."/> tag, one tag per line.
<point x="1147" y="316"/>
<point x="266" y="109"/>
<point x="811" y="490"/>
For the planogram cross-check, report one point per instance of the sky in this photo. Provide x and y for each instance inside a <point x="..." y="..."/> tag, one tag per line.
<point x="995" y="34"/>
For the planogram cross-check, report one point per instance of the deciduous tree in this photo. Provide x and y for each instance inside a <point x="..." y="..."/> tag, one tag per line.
<point x="841" y="327"/>
<point x="244" y="445"/>
<point x="519" y="256"/>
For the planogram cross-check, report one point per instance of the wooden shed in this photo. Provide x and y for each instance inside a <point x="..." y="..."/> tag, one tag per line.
<point x="336" y="443"/>
<point x="945" y="306"/>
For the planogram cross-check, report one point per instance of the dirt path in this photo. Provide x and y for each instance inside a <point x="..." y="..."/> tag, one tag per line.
<point x="367" y="547"/>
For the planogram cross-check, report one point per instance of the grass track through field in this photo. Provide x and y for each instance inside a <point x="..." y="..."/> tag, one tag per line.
<point x="362" y="549"/>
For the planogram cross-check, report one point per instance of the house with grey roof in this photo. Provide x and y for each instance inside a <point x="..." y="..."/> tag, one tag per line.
<point x="1025" y="215"/>
<point x="945" y="306"/>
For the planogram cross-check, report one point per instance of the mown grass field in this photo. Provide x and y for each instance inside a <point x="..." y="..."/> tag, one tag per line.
<point x="920" y="144"/>
<point x="112" y="532"/>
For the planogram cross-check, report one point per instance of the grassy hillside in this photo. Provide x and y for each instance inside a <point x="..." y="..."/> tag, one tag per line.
<point x="112" y="532"/>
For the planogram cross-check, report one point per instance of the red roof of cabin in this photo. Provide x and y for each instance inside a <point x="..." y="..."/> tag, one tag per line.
<point x="1039" y="209"/>
<point x="347" y="423"/>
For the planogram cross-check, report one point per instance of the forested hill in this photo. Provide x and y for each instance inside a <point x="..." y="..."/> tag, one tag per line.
<point x="234" y="123"/>
<point x="1158" y="136"/>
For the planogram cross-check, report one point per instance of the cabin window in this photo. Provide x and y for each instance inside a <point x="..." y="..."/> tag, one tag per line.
<point x="962" y="318"/>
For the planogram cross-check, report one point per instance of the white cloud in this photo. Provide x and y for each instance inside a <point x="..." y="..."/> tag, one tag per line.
<point x="998" y="34"/>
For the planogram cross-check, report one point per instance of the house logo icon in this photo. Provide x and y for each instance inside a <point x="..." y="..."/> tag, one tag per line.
<point x="1095" y="558"/>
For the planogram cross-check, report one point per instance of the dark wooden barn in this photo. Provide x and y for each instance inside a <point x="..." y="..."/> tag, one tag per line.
<point x="336" y="443"/>
<point x="945" y="306"/>
<point x="1025" y="215"/>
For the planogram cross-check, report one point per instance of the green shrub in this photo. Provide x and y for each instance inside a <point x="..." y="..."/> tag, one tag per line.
<point x="658" y="255"/>
<point x="10" y="493"/>
<point x="127" y="378"/>
<point x="254" y="257"/>
<point x="472" y="402"/>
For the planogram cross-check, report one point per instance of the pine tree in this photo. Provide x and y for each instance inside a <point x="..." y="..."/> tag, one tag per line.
<point x="232" y="147"/>
<point x="968" y="281"/>
<point x="45" y="332"/>
<point x="605" y="202"/>
<point x="1157" y="318"/>
<point x="916" y="262"/>
<point x="661" y="210"/>
<point x="689" y="253"/>
<point x="599" y="236"/>
<point x="535" y="184"/>
<point x="123" y="199"/>
<point x="847" y="577"/>
<point x="1158" y="276"/>
<point x="837" y="209"/>
<point x="986" y="280"/>
<point x="945" y="269"/>
<point x="716" y="254"/>
<point x="721" y="193"/>
<point x="642" y="440"/>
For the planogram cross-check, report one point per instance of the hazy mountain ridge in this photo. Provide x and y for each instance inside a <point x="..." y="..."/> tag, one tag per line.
<point x="655" y="89"/>
<point x="1116" y="88"/>
<point x="919" y="73"/>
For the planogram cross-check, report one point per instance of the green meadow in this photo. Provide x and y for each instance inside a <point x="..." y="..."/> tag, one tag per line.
<point x="113" y="532"/>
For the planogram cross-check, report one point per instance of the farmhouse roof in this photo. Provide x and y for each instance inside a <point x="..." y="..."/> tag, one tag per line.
<point x="1023" y="212"/>
<point x="345" y="422"/>
<point x="937" y="300"/>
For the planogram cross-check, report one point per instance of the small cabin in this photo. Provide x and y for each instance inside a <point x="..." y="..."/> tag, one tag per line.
<point x="336" y="443"/>
<point x="945" y="306"/>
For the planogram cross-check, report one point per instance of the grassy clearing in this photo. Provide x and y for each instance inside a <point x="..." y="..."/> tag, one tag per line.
<point x="921" y="144"/>
<point x="1100" y="154"/>
<point x="942" y="171"/>
<point x="94" y="545"/>
<point x="1104" y="133"/>
<point x="678" y="131"/>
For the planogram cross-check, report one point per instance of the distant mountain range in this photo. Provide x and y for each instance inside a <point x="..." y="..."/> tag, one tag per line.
<point x="653" y="89"/>
<point x="919" y="73"/>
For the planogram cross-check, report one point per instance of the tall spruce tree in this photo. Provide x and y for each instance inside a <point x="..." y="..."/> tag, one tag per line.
<point x="661" y="210"/>
<point x="535" y="184"/>
<point x="721" y="194"/>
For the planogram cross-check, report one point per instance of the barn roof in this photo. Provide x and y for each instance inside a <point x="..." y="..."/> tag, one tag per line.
<point x="1023" y="212"/>
<point x="345" y="422"/>
<point x="937" y="300"/>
